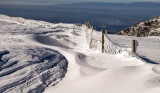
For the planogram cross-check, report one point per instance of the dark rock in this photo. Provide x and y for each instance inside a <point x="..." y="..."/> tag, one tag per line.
<point x="143" y="29"/>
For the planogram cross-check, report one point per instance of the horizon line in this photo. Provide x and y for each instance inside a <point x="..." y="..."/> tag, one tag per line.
<point x="56" y="3"/>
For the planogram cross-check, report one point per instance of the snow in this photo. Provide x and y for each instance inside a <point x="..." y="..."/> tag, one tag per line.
<point x="37" y="56"/>
<point x="148" y="47"/>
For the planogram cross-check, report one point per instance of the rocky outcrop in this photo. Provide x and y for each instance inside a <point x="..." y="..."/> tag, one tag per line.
<point x="143" y="29"/>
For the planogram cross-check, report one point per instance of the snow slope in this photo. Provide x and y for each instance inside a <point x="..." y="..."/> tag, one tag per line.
<point x="37" y="56"/>
<point x="148" y="47"/>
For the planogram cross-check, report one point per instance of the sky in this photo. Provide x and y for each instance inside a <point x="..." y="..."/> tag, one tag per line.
<point x="68" y="1"/>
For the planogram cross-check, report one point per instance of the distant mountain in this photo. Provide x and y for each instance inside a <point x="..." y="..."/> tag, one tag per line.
<point x="112" y="17"/>
<point x="117" y="5"/>
<point x="143" y="29"/>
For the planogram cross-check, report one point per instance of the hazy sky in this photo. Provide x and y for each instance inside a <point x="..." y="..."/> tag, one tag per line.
<point x="70" y="1"/>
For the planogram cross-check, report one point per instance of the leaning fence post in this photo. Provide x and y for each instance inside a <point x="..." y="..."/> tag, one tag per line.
<point x="90" y="44"/>
<point x="133" y="47"/>
<point x="103" y="32"/>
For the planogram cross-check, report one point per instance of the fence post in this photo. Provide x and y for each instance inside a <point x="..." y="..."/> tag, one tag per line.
<point x="133" y="47"/>
<point x="90" y="44"/>
<point x="86" y="23"/>
<point x="103" y="32"/>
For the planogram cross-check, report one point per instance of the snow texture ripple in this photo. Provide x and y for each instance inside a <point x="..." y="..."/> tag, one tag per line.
<point x="30" y="70"/>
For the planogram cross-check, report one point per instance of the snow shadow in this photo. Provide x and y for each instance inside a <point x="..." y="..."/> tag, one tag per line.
<point x="49" y="41"/>
<point x="2" y="62"/>
<point x="146" y="59"/>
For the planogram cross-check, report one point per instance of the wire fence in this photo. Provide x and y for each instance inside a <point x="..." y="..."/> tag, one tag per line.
<point x="100" y="41"/>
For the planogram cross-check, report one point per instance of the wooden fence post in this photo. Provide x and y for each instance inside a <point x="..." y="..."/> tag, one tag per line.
<point x="90" y="44"/>
<point x="86" y="23"/>
<point x="133" y="47"/>
<point x="103" y="32"/>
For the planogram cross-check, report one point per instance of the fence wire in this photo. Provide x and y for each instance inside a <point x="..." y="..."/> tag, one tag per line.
<point x="94" y="39"/>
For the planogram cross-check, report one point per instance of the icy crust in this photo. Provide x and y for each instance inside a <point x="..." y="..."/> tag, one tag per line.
<point x="22" y="21"/>
<point x="30" y="69"/>
<point x="18" y="25"/>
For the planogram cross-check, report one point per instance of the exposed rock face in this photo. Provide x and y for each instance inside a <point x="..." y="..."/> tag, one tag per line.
<point x="143" y="29"/>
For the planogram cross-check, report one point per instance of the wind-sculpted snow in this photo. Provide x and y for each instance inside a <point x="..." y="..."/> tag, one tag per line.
<point x="30" y="69"/>
<point x="25" y="64"/>
<point x="37" y="56"/>
<point x="49" y="41"/>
